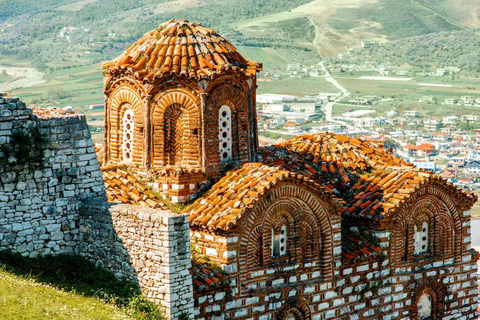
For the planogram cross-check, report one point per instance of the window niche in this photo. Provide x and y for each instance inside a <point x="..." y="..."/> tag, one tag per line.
<point x="424" y="307"/>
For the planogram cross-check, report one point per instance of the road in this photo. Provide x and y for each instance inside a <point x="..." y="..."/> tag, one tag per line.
<point x="328" y="108"/>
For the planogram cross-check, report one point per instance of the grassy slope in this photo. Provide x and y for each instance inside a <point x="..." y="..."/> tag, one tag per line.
<point x="22" y="298"/>
<point x="67" y="287"/>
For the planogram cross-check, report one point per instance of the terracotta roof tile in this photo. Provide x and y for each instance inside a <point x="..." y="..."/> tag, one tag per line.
<point x="207" y="277"/>
<point x="371" y="180"/>
<point x="182" y="48"/>
<point x="121" y="186"/>
<point x="239" y="190"/>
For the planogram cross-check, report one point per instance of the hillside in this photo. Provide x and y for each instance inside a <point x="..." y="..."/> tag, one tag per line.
<point x="57" y="34"/>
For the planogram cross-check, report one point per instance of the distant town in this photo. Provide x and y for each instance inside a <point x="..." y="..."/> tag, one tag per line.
<point x="448" y="145"/>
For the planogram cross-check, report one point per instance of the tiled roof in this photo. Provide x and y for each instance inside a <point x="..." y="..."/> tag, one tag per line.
<point x="121" y="186"/>
<point x="371" y="180"/>
<point x="356" y="246"/>
<point x="365" y="179"/>
<point x="222" y="206"/>
<point x="207" y="277"/>
<point x="182" y="48"/>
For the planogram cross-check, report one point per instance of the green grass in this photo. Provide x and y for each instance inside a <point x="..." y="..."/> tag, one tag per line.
<point x="24" y="298"/>
<point x="66" y="287"/>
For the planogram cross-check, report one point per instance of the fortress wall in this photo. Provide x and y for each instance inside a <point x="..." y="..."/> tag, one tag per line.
<point x="52" y="201"/>
<point x="47" y="167"/>
<point x="148" y="246"/>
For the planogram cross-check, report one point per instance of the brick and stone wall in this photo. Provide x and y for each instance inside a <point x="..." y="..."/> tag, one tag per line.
<point x="370" y="289"/>
<point x="47" y="167"/>
<point x="148" y="246"/>
<point x="374" y="287"/>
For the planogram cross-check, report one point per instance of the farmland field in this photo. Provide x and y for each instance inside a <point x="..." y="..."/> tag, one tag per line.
<point x="293" y="86"/>
<point x="411" y="88"/>
<point x="5" y="78"/>
<point x="77" y="86"/>
<point x="268" y="56"/>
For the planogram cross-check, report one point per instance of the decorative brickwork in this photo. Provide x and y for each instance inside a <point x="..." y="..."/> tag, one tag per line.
<point x="175" y="80"/>
<point x="329" y="231"/>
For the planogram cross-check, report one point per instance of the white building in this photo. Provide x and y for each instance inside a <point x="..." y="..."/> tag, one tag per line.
<point x="273" y="107"/>
<point x="450" y="120"/>
<point x="272" y="98"/>
<point x="470" y="118"/>
<point x="412" y="114"/>
<point x="432" y="125"/>
<point x="449" y="101"/>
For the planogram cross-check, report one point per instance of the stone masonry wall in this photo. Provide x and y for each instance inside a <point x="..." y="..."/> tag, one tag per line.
<point x="40" y="193"/>
<point x="148" y="246"/>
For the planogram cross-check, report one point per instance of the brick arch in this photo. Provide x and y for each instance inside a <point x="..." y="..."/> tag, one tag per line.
<point x="236" y="100"/>
<point x="427" y="203"/>
<point x="282" y="211"/>
<point x="232" y="79"/>
<point x="307" y="204"/>
<point x="122" y="97"/>
<point x="175" y="112"/>
<point x="296" y="308"/>
<point x="436" y="290"/>
<point x="255" y="248"/>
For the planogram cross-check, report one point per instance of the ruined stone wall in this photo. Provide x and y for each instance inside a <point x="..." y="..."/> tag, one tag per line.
<point x="47" y="167"/>
<point x="148" y="246"/>
<point x="52" y="201"/>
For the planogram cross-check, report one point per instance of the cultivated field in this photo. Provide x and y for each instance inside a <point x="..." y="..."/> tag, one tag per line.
<point x="293" y="86"/>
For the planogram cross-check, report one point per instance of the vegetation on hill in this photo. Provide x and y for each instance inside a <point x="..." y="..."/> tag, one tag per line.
<point x="67" y="286"/>
<point x="459" y="49"/>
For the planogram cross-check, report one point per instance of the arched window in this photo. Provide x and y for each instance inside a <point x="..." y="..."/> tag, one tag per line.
<point x="128" y="129"/>
<point x="424" y="307"/>
<point x="421" y="239"/>
<point x="279" y="242"/>
<point x="174" y="134"/>
<point x="225" y="134"/>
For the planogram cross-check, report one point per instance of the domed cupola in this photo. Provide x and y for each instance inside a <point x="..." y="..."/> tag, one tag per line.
<point x="180" y="106"/>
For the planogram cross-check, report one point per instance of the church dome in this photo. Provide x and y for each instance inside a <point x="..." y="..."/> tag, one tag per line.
<point x="182" y="48"/>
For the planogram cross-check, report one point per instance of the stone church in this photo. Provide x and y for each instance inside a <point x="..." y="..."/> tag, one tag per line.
<point x="319" y="227"/>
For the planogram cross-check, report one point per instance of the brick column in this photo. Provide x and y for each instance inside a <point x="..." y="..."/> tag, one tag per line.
<point x="203" y="129"/>
<point x="106" y="144"/>
<point x="147" y="156"/>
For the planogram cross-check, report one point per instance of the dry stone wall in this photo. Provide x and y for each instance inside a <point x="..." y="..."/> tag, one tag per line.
<point x="53" y="201"/>
<point x="47" y="167"/>
<point x="148" y="246"/>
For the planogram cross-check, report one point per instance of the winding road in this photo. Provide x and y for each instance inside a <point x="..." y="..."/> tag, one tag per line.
<point x="328" y="108"/>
